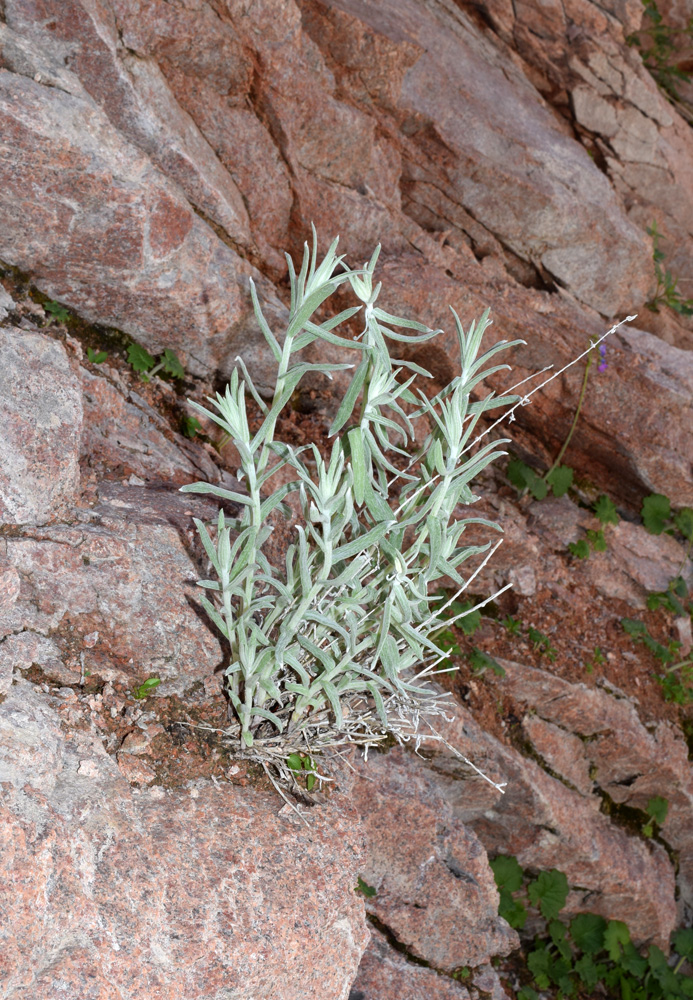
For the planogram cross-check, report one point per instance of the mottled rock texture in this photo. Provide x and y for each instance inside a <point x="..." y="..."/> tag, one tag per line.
<point x="155" y="156"/>
<point x="41" y="404"/>
<point x="434" y="889"/>
<point x="203" y="892"/>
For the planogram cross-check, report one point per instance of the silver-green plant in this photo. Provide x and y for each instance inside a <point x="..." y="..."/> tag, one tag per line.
<point x="338" y="644"/>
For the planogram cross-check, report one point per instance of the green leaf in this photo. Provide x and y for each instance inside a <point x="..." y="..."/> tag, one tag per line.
<point x="481" y="661"/>
<point x="470" y="622"/>
<point x="507" y="872"/>
<point x="684" y="522"/>
<point x="549" y="891"/>
<point x="512" y="910"/>
<point x="294" y="761"/>
<point x="364" y="888"/>
<point x="539" y="964"/>
<point x="145" y="689"/>
<point x="96" y="357"/>
<point x="580" y="549"/>
<point x="683" y="943"/>
<point x="616" y="936"/>
<point x="523" y="477"/>
<point x="658" y="808"/>
<point x="527" y="993"/>
<point x="558" y="934"/>
<point x="587" y="931"/>
<point x="605" y="510"/>
<point x="560" y="480"/>
<point x="589" y="972"/>
<point x="190" y="425"/>
<point x="57" y="311"/>
<point x="172" y="365"/>
<point x="140" y="358"/>
<point x="596" y="540"/>
<point x="634" y="627"/>
<point x="655" y="512"/>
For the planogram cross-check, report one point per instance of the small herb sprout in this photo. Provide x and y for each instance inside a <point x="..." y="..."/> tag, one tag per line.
<point x="57" y="312"/>
<point x="657" y="809"/>
<point x="586" y="955"/>
<point x="541" y="643"/>
<point x="579" y="549"/>
<point x="144" y="363"/>
<point x="364" y="889"/>
<point x="146" y="688"/>
<point x="481" y="661"/>
<point x="667" y="292"/>
<point x="464" y="972"/>
<point x="190" y="426"/>
<point x="96" y="357"/>
<point x="598" y="659"/>
<point x="337" y="645"/>
<point x="655" y="512"/>
<point x="659" y="45"/>
<point x="672" y="599"/>
<point x="605" y="510"/>
<point x="302" y="763"/>
<point x="513" y="626"/>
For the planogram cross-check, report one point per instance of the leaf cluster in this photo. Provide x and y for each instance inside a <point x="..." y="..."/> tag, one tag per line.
<point x="347" y="624"/>
<point x="523" y="477"/>
<point x="657" y="42"/>
<point x="587" y="953"/>
<point x="146" y="364"/>
<point x="657" y="517"/>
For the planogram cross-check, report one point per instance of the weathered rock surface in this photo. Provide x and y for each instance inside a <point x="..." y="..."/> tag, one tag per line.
<point x="200" y="892"/>
<point x="547" y="824"/>
<point x="153" y="158"/>
<point x="597" y="743"/>
<point x="123" y="434"/>
<point x="385" y="973"/>
<point x="41" y="403"/>
<point x="435" y="890"/>
<point x="133" y="583"/>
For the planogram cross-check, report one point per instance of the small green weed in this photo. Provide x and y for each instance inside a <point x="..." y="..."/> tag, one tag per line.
<point x="597" y="660"/>
<point x="513" y="626"/>
<point x="364" y="889"/>
<point x="579" y="549"/>
<point x="523" y="477"/>
<point x="146" y="688"/>
<point x="144" y="363"/>
<point x="302" y="763"/>
<point x="657" y="809"/>
<point x="605" y="510"/>
<point x="541" y="643"/>
<point x="190" y="426"/>
<point x="57" y="313"/>
<point x="461" y="974"/>
<point x="587" y="955"/>
<point x="96" y="357"/>
<point x="672" y="599"/>
<point x="667" y="292"/>
<point x="481" y="662"/>
<point x="677" y="680"/>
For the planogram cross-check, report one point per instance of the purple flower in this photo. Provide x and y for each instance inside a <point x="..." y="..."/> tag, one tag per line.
<point x="602" y="356"/>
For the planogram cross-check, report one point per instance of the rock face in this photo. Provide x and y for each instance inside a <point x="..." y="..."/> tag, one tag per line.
<point x="154" y="157"/>
<point x="434" y="890"/>
<point x="42" y="421"/>
<point x="116" y="894"/>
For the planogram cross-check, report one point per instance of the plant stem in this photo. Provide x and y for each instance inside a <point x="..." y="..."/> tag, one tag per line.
<point x="581" y="400"/>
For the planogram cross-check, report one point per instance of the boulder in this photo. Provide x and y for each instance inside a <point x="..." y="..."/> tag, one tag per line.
<point x="204" y="891"/>
<point x="41" y="403"/>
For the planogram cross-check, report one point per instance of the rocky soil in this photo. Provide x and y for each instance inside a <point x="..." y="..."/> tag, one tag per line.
<point x="153" y="158"/>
